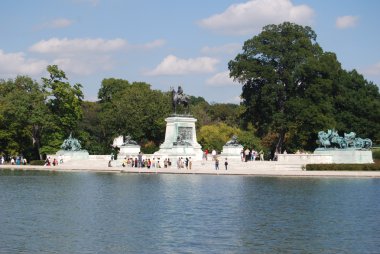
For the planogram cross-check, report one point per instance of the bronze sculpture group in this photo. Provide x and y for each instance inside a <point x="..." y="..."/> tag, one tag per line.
<point x="331" y="138"/>
<point x="71" y="144"/>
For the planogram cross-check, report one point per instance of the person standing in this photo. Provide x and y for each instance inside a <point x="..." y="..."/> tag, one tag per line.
<point x="190" y="163"/>
<point x="226" y="164"/>
<point x="139" y="160"/>
<point x="261" y="154"/>
<point x="213" y="153"/>
<point x="216" y="164"/>
<point x="246" y="153"/>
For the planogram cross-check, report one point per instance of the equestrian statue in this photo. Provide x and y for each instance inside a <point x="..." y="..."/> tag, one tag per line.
<point x="179" y="98"/>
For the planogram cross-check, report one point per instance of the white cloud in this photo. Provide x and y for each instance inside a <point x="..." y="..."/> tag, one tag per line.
<point x="235" y="100"/>
<point x="346" y="22"/>
<point x="231" y="48"/>
<point x="85" y="56"/>
<point x="60" y="46"/>
<point x="147" y="46"/>
<point x="55" y="24"/>
<point x="85" y="65"/>
<point x="154" y="44"/>
<point x="61" y="23"/>
<point x="221" y="79"/>
<point x="13" y="64"/>
<point x="250" y="17"/>
<point x="373" y="70"/>
<point x="172" y="65"/>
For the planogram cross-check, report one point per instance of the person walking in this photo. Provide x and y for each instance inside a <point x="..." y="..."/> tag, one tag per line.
<point x="226" y="164"/>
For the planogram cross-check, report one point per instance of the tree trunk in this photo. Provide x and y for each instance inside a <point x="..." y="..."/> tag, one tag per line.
<point x="36" y="142"/>
<point x="280" y="142"/>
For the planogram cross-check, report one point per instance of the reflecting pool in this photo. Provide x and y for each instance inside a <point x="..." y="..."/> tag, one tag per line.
<point x="53" y="212"/>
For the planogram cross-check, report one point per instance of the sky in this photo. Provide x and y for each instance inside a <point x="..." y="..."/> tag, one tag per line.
<point x="168" y="43"/>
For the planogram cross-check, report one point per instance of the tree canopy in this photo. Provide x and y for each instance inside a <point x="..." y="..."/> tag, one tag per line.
<point x="35" y="118"/>
<point x="292" y="88"/>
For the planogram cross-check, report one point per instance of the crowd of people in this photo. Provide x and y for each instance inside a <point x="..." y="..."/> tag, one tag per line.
<point x="139" y="162"/>
<point x="13" y="160"/>
<point x="54" y="161"/>
<point x="251" y="155"/>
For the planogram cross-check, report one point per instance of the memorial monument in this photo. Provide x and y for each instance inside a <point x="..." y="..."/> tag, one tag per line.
<point x="232" y="148"/>
<point x="71" y="149"/>
<point x="180" y="134"/>
<point x="346" y="149"/>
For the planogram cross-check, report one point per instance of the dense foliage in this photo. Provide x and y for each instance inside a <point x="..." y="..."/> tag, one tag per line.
<point x="132" y="109"/>
<point x="34" y="118"/>
<point x="292" y="89"/>
<point x="214" y="136"/>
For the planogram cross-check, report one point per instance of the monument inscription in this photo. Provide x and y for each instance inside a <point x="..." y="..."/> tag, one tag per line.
<point x="186" y="133"/>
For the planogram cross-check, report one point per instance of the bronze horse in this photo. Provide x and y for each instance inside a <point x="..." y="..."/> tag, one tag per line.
<point x="179" y="98"/>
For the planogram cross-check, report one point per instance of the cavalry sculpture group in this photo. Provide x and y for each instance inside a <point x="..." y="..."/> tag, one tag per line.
<point x="71" y="144"/>
<point x="331" y="138"/>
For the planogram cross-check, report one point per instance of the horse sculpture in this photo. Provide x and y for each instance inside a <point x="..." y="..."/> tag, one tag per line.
<point x="179" y="98"/>
<point x="338" y="140"/>
<point x="324" y="139"/>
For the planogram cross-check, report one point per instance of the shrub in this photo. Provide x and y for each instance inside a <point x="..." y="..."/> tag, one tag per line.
<point x="343" y="167"/>
<point x="149" y="147"/>
<point x="376" y="154"/>
<point x="37" y="162"/>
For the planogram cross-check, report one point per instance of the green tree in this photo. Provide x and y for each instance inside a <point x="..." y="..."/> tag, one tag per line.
<point x="23" y="117"/>
<point x="285" y="76"/>
<point x="225" y="112"/>
<point x="110" y="88"/>
<point x="134" y="109"/>
<point x="89" y="128"/>
<point x="215" y="136"/>
<point x="64" y="103"/>
<point x="357" y="106"/>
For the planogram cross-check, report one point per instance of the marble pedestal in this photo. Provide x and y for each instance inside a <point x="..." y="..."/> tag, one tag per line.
<point x="232" y="152"/>
<point x="129" y="150"/>
<point x="183" y="127"/>
<point x="347" y="155"/>
<point x="73" y="155"/>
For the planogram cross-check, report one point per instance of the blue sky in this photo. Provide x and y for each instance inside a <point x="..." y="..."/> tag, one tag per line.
<point x="169" y="43"/>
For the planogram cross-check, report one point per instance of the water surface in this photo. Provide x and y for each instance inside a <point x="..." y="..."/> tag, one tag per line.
<point x="47" y="212"/>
